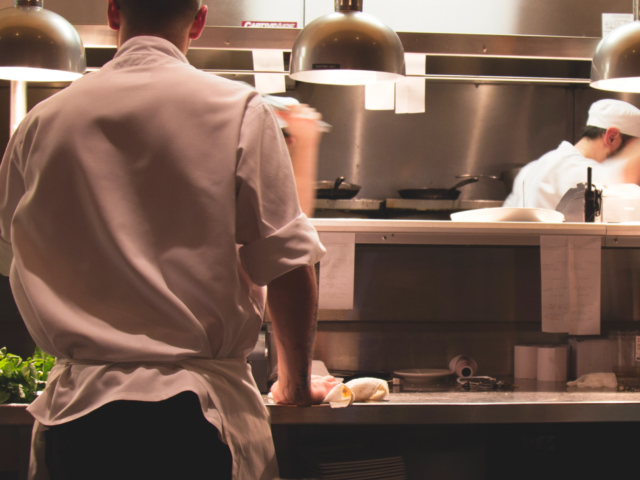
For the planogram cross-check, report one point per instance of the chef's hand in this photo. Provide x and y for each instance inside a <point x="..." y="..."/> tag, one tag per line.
<point x="303" y="123"/>
<point x="291" y="394"/>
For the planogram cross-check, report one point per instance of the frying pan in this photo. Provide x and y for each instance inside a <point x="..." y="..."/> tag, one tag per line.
<point x="336" y="190"/>
<point x="436" y="193"/>
<point x="507" y="177"/>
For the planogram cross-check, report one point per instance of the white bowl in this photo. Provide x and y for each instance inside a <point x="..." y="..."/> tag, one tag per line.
<point x="509" y="214"/>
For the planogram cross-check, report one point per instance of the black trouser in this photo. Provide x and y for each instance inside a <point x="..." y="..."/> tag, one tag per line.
<point x="126" y="440"/>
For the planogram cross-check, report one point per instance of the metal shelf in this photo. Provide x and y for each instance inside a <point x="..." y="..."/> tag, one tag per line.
<point x="442" y="44"/>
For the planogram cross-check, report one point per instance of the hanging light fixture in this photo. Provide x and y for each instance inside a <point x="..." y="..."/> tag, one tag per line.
<point x="616" y="63"/>
<point x="38" y="45"/>
<point x="347" y="47"/>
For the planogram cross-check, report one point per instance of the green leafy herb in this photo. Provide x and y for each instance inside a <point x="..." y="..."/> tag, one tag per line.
<point x="21" y="380"/>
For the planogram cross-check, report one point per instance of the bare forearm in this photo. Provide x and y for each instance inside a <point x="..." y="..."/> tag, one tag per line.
<point x="292" y="303"/>
<point x="304" y="158"/>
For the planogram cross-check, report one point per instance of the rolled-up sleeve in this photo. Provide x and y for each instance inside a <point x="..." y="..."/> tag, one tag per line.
<point x="275" y="236"/>
<point x="12" y="190"/>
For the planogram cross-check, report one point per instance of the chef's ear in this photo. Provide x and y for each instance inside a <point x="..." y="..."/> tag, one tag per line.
<point x="199" y="23"/>
<point x="612" y="136"/>
<point x="113" y="15"/>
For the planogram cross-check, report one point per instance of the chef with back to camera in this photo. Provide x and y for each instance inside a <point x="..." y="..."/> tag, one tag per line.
<point x="612" y="126"/>
<point x="128" y="203"/>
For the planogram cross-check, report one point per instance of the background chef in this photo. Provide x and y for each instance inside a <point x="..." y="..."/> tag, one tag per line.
<point x="612" y="126"/>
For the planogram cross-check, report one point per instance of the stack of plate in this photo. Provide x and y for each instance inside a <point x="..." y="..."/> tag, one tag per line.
<point x="354" y="462"/>
<point x="425" y="379"/>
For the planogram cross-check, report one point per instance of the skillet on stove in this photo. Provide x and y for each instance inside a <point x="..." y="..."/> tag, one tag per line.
<point x="436" y="193"/>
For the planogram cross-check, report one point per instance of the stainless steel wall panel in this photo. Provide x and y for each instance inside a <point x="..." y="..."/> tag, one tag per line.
<point x="621" y="284"/>
<point x="227" y="13"/>
<point x="473" y="284"/>
<point x="80" y="12"/>
<point x="467" y="128"/>
<point x="502" y="17"/>
<point x="385" y="347"/>
<point x="231" y="13"/>
<point x="447" y="283"/>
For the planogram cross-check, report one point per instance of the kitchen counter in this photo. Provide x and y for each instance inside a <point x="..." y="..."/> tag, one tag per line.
<point x="429" y="232"/>
<point x="542" y="402"/>
<point x="527" y="404"/>
<point x="15" y="416"/>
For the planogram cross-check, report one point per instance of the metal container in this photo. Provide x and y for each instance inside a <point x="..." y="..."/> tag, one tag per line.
<point x="626" y="356"/>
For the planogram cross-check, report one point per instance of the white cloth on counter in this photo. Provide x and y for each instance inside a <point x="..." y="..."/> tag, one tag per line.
<point x="368" y="388"/>
<point x="358" y="390"/>
<point x="122" y="200"/>
<point x="595" y="380"/>
<point x="547" y="179"/>
<point x="340" y="396"/>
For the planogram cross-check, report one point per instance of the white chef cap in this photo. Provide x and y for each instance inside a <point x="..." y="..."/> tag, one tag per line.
<point x="615" y="113"/>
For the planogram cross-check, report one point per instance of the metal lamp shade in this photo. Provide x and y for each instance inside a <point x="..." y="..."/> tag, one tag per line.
<point x="39" y="45"/>
<point x="616" y="63"/>
<point x="347" y="48"/>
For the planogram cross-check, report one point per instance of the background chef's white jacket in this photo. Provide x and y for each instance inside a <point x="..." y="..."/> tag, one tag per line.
<point x="547" y="179"/>
<point x="123" y="198"/>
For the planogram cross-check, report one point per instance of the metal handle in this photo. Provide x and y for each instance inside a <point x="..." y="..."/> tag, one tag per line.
<point x="468" y="175"/>
<point x="348" y="5"/>
<point x="27" y="3"/>
<point x="464" y="182"/>
<point x="337" y="184"/>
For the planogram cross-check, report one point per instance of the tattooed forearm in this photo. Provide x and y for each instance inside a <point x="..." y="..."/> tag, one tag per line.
<point x="293" y="307"/>
<point x="304" y="373"/>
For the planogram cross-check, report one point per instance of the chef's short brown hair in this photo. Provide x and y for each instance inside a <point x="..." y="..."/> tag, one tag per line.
<point x="594" y="133"/>
<point x="153" y="16"/>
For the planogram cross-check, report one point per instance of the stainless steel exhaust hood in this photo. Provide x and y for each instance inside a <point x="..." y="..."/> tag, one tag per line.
<point x="460" y="30"/>
<point x="577" y="18"/>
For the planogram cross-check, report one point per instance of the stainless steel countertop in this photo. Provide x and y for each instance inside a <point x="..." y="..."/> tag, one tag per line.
<point x="430" y="232"/>
<point x="527" y="404"/>
<point x="541" y="402"/>
<point x="531" y="402"/>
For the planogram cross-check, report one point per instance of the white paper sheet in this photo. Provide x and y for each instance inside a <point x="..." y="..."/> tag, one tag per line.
<point x="337" y="271"/>
<point x="410" y="95"/>
<point x="268" y="60"/>
<point x="611" y="21"/>
<point x="380" y="96"/>
<point x="570" y="271"/>
<point x="415" y="63"/>
<point x="270" y="83"/>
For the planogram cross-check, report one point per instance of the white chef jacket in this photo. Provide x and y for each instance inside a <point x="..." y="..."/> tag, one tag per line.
<point x="122" y="201"/>
<point x="547" y="179"/>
